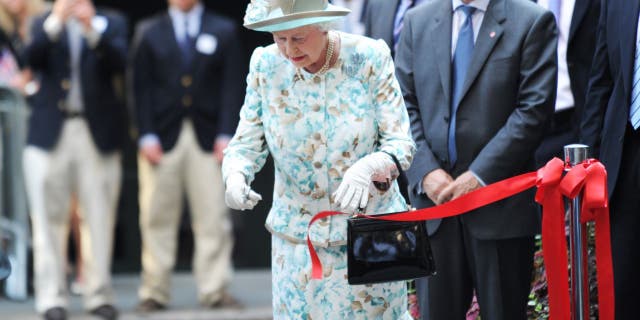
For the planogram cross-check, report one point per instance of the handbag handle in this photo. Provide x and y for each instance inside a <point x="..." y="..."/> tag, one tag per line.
<point x="385" y="185"/>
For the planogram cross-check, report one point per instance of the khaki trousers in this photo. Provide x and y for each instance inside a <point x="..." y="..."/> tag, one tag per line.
<point x="74" y="165"/>
<point x="185" y="169"/>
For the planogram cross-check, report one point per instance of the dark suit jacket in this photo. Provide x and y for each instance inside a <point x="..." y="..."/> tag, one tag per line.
<point x="582" y="42"/>
<point x="209" y="91"/>
<point x="606" y="111"/>
<point x="103" y="108"/>
<point x="507" y="98"/>
<point x="379" y="17"/>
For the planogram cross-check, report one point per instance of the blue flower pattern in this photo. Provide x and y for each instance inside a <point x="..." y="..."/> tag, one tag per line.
<point x="315" y="127"/>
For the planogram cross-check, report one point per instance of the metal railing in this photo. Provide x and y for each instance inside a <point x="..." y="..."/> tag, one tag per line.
<point x="14" y="218"/>
<point x="575" y="154"/>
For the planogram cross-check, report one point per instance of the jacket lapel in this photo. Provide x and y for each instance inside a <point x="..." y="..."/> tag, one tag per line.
<point x="489" y="34"/>
<point x="579" y="11"/>
<point x="169" y="35"/>
<point x="441" y="42"/>
<point x="628" y="27"/>
<point x="204" y="28"/>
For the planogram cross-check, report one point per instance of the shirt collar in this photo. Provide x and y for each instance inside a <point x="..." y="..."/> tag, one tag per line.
<point x="478" y="4"/>
<point x="194" y="13"/>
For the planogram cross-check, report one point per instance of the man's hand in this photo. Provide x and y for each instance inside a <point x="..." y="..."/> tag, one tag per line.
<point x="218" y="148"/>
<point x="63" y="9"/>
<point x="434" y="183"/>
<point x="84" y="11"/>
<point x="152" y="152"/>
<point x="464" y="184"/>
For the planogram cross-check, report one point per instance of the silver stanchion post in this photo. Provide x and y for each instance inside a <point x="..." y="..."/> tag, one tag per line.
<point x="575" y="154"/>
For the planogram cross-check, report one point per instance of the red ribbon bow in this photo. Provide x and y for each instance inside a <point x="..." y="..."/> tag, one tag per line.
<point x="589" y="177"/>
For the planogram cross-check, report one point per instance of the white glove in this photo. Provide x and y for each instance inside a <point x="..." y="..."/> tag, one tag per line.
<point x="353" y="192"/>
<point x="238" y="195"/>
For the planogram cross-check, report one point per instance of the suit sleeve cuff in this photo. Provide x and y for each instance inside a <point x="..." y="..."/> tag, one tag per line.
<point x="223" y="137"/>
<point x="478" y="178"/>
<point x="419" y="186"/>
<point x="148" y="139"/>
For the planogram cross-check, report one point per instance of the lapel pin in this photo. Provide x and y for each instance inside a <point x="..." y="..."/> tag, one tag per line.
<point x="492" y="34"/>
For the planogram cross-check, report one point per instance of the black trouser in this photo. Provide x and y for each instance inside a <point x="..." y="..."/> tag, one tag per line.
<point x="499" y="271"/>
<point x="625" y="229"/>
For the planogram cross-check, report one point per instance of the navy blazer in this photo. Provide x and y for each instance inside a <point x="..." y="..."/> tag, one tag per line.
<point x="582" y="31"/>
<point x="104" y="109"/>
<point x="606" y="111"/>
<point x="209" y="91"/>
<point x="584" y="25"/>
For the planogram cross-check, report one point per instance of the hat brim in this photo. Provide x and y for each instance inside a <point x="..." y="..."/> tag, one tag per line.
<point x="298" y="19"/>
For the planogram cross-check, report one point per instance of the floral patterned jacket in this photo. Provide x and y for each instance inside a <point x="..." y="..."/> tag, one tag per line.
<point x="315" y="127"/>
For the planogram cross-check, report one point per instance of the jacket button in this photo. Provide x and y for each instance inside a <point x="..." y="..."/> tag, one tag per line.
<point x="317" y="165"/>
<point x="317" y="136"/>
<point x="446" y="118"/>
<point x="186" y="80"/>
<point x="316" y="79"/>
<point x="316" y="107"/>
<point x="65" y="84"/>
<point x="187" y="100"/>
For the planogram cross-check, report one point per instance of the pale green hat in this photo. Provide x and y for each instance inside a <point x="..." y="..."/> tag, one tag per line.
<point x="278" y="15"/>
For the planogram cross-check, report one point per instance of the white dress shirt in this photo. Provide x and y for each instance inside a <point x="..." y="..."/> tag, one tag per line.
<point x="459" y="17"/>
<point x="190" y="20"/>
<point x="565" y="99"/>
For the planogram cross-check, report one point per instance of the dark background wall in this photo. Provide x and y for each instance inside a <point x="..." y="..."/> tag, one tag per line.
<point x="252" y="241"/>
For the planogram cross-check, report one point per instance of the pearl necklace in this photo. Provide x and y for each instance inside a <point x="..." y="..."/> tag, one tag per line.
<point x="327" y="59"/>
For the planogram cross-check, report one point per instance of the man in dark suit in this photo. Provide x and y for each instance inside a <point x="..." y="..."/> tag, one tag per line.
<point x="378" y="20"/>
<point x="76" y="132"/>
<point x="577" y="25"/>
<point x="187" y="89"/>
<point x="383" y="19"/>
<point x="479" y="82"/>
<point x="610" y="127"/>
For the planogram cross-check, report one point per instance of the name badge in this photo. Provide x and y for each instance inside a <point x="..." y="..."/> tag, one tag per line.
<point x="99" y="23"/>
<point x="206" y="44"/>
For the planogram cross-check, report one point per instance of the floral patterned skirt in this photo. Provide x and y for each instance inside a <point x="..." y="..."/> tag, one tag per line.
<point x="297" y="296"/>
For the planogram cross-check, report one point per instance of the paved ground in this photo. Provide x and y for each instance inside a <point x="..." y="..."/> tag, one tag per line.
<point x="251" y="287"/>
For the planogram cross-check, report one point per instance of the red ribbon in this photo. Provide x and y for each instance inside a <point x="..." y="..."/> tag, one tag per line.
<point x="589" y="177"/>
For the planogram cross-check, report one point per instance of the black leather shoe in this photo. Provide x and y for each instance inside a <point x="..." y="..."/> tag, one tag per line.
<point x="105" y="311"/>
<point x="150" y="305"/>
<point x="55" y="313"/>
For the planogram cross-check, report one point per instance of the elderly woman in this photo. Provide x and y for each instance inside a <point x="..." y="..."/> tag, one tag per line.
<point x="327" y="107"/>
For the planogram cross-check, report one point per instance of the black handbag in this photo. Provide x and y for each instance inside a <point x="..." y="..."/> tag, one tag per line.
<point x="385" y="251"/>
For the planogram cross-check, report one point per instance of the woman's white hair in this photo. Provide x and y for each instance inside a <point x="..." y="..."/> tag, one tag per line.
<point x="326" y="26"/>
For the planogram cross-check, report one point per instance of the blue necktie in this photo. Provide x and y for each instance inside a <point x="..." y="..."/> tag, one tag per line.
<point x="634" y="111"/>
<point x="461" y="61"/>
<point x="186" y="44"/>
<point x="398" y="23"/>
